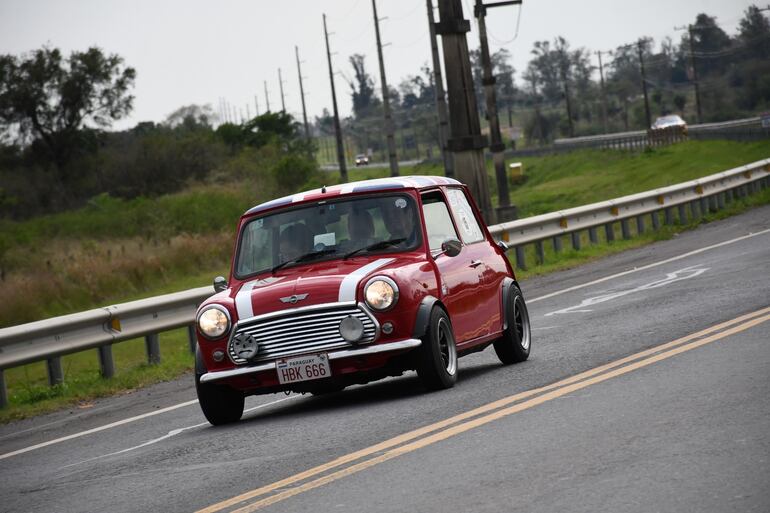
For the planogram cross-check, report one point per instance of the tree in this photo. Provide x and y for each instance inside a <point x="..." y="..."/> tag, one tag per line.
<point x="191" y="117"/>
<point x="754" y="33"/>
<point x="362" y="87"/>
<point x="51" y="100"/>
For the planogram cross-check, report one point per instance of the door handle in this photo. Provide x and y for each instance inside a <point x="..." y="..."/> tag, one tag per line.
<point x="475" y="263"/>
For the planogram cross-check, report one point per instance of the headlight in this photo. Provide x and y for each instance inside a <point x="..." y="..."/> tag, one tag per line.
<point x="214" y="321"/>
<point x="381" y="293"/>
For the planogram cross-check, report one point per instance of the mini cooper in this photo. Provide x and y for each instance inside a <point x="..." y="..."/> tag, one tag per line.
<point x="351" y="283"/>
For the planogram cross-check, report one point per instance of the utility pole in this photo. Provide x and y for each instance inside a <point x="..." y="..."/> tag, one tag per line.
<point x="604" y="93"/>
<point x="490" y="94"/>
<point x="302" y="94"/>
<point x="565" y="80"/>
<point x="248" y="113"/>
<point x="256" y="106"/>
<point x="639" y="45"/>
<point x="392" y="157"/>
<point x="280" y="85"/>
<point x="337" y="127"/>
<point x="694" y="69"/>
<point x="267" y="98"/>
<point x="438" y="88"/>
<point x="466" y="141"/>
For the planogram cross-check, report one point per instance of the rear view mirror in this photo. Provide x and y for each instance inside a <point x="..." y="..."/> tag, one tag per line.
<point x="451" y="247"/>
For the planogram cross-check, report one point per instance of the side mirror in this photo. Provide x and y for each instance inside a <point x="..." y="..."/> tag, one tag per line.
<point x="451" y="247"/>
<point x="502" y="245"/>
<point x="220" y="284"/>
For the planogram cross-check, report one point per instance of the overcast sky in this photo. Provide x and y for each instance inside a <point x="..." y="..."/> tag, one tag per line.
<point x="191" y="51"/>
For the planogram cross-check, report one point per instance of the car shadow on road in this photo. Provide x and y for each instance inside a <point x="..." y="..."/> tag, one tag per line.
<point x="389" y="390"/>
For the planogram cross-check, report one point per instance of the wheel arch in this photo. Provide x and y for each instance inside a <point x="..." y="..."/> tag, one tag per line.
<point x="422" y="320"/>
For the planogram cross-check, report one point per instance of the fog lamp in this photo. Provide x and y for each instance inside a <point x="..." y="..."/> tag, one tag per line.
<point x="351" y="328"/>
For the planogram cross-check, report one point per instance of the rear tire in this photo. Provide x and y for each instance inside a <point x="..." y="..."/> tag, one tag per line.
<point x="220" y="404"/>
<point x="437" y="363"/>
<point x="515" y="344"/>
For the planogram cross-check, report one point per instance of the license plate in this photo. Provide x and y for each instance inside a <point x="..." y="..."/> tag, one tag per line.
<point x="303" y="368"/>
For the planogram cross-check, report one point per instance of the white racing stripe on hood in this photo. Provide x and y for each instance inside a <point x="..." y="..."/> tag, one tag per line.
<point x="350" y="282"/>
<point x="243" y="300"/>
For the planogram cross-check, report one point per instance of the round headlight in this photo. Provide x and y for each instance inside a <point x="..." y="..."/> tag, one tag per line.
<point x="381" y="293"/>
<point x="214" y="321"/>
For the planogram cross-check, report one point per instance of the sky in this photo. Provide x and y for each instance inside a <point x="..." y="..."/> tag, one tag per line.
<point x="196" y="52"/>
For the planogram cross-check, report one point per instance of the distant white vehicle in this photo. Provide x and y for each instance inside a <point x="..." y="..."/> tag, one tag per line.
<point x="669" y="121"/>
<point x="362" y="160"/>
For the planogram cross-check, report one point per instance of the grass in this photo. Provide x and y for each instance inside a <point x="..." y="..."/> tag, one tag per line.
<point x="116" y="251"/>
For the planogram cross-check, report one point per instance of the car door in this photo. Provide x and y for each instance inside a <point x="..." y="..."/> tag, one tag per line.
<point x="459" y="279"/>
<point x="485" y="258"/>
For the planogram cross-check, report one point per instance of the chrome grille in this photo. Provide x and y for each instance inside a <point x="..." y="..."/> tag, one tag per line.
<point x="301" y="330"/>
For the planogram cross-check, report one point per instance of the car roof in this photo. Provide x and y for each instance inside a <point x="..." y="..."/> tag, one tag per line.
<point x="377" y="184"/>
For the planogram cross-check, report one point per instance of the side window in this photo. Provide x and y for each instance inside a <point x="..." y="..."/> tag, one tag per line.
<point x="463" y="213"/>
<point x="438" y="222"/>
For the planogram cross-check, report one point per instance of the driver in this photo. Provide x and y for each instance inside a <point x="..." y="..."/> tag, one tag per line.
<point x="400" y="220"/>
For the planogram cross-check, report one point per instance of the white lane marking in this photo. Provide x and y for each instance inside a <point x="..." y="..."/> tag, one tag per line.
<point x="97" y="429"/>
<point x="673" y="277"/>
<point x="350" y="282"/>
<point x="540" y="298"/>
<point x="648" y="266"/>
<point x="243" y="301"/>
<point x="173" y="432"/>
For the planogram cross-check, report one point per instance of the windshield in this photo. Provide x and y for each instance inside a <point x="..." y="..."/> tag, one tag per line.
<point x="325" y="230"/>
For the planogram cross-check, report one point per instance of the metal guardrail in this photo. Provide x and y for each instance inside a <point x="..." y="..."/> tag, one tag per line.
<point x="50" y="339"/>
<point x="702" y="195"/>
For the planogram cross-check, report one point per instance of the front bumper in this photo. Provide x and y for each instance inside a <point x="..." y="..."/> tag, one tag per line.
<point x="400" y="345"/>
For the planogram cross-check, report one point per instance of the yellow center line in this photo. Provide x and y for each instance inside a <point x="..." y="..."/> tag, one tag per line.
<point x="549" y="392"/>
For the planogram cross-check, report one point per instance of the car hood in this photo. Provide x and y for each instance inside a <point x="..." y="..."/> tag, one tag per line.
<point x="324" y="282"/>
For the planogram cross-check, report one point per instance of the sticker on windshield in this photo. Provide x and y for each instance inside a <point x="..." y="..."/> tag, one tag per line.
<point x="400" y="203"/>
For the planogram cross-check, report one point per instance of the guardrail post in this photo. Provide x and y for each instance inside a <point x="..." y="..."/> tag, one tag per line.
<point x="540" y="252"/>
<point x="682" y="214"/>
<point x="609" y="232"/>
<point x="625" y="228"/>
<point x="713" y="203"/>
<point x="655" y="217"/>
<point x="730" y="195"/>
<point x="695" y="209"/>
<point x="639" y="224"/>
<point x="721" y="200"/>
<point x="3" y="390"/>
<point x="191" y="338"/>
<point x="153" y="348"/>
<point x="668" y="216"/>
<point x="704" y="206"/>
<point x="575" y="240"/>
<point x="557" y="243"/>
<point x="55" y="372"/>
<point x="520" y="262"/>
<point x="593" y="236"/>
<point x="106" y="362"/>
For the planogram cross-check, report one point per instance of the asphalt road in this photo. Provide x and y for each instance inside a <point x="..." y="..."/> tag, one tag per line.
<point x="648" y="389"/>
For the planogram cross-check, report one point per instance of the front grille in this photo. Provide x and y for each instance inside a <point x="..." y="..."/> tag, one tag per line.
<point x="301" y="331"/>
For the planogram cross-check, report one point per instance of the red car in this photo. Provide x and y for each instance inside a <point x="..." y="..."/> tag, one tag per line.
<point x="352" y="283"/>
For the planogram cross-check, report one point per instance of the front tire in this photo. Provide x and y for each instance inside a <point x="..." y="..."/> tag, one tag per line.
<point x="220" y="404"/>
<point x="514" y="345"/>
<point x="437" y="365"/>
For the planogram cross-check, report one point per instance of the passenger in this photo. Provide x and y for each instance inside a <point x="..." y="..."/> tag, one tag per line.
<point x="360" y="228"/>
<point x="295" y="241"/>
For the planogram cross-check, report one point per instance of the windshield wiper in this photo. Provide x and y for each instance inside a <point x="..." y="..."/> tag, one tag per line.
<point x="377" y="245"/>
<point x="303" y="258"/>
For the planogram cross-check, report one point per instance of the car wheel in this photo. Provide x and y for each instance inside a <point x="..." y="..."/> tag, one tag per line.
<point x="514" y="345"/>
<point x="220" y="403"/>
<point x="437" y="366"/>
